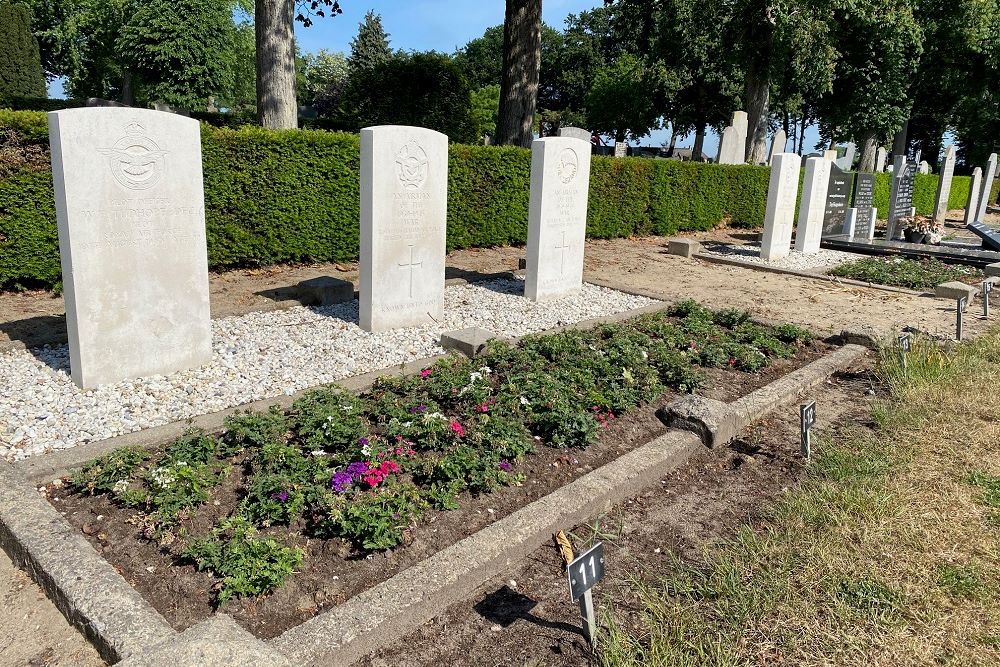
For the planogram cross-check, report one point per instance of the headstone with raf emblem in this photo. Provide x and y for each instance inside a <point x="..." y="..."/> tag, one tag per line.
<point x="130" y="208"/>
<point x="404" y="204"/>
<point x="557" y="218"/>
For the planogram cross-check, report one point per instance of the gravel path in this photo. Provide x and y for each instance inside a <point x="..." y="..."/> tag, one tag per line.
<point x="818" y="261"/>
<point x="256" y="356"/>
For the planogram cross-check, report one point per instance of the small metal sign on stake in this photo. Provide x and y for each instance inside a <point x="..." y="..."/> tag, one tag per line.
<point x="904" y="348"/>
<point x="987" y="288"/>
<point x="962" y="303"/>
<point x="807" y="414"/>
<point x="586" y="570"/>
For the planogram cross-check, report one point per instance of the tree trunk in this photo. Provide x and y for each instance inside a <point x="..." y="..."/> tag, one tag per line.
<point x="699" y="143"/>
<point x="869" y="149"/>
<point x="522" y="62"/>
<point x="794" y="134"/>
<point x="802" y="135"/>
<point x="673" y="141"/>
<point x="758" y="94"/>
<point x="277" y="107"/>
<point x="899" y="144"/>
<point x="128" y="88"/>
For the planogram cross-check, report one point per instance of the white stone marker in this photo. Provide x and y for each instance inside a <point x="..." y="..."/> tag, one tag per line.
<point x="130" y="207"/>
<point x="924" y="167"/>
<point x="404" y="205"/>
<point x="777" y="144"/>
<point x="782" y="190"/>
<point x="975" y="185"/>
<point x="557" y="219"/>
<point x="733" y="143"/>
<point x="987" y="189"/>
<point x="810" y="227"/>
<point x="576" y="133"/>
<point x="944" y="184"/>
<point x="881" y="156"/>
<point x="850" y="222"/>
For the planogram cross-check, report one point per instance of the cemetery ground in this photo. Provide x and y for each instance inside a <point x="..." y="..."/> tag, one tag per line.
<point x="746" y="480"/>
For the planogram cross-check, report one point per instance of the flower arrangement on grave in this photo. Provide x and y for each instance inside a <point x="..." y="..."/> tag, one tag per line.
<point x="922" y="229"/>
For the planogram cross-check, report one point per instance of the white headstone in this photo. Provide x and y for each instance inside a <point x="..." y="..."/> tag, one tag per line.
<point x="621" y="149"/>
<point x="972" y="207"/>
<point x="924" y="167"/>
<point x="810" y="226"/>
<point x="576" y="133"/>
<point x="830" y="155"/>
<point x="404" y="204"/>
<point x="987" y="189"/>
<point x="944" y="184"/>
<point x="850" y="220"/>
<point x="557" y="218"/>
<point x="881" y="155"/>
<point x="130" y="207"/>
<point x="732" y="145"/>
<point x="777" y="144"/>
<point x="852" y="150"/>
<point x="780" y="216"/>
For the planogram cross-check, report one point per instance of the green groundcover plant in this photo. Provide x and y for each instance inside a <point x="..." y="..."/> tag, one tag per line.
<point x="910" y="273"/>
<point x="365" y="468"/>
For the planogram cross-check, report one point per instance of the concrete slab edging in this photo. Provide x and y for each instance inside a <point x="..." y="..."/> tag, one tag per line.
<point x="95" y="598"/>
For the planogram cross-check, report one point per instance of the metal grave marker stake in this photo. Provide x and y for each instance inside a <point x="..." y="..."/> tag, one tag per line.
<point x="904" y="348"/>
<point x="586" y="570"/>
<point x="987" y="288"/>
<point x="807" y="413"/>
<point x="962" y="303"/>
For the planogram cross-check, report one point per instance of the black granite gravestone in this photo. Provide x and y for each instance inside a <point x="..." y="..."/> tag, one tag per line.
<point x="838" y="193"/>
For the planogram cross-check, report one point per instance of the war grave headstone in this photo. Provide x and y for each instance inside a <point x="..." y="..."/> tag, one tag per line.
<point x="845" y="163"/>
<point x="944" y="185"/>
<point x="863" y="205"/>
<point x="777" y="145"/>
<point x="576" y="133"/>
<point x="838" y="194"/>
<point x="780" y="214"/>
<point x="809" y="232"/>
<point x="972" y="206"/>
<point x="901" y="194"/>
<point x="404" y="202"/>
<point x="130" y="208"/>
<point x="732" y="146"/>
<point x="987" y="187"/>
<point x="557" y="217"/>
<point x="881" y="155"/>
<point x="621" y="149"/>
<point x="924" y="167"/>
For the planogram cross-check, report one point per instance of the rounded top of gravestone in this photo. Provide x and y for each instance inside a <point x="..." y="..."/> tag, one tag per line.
<point x="381" y="129"/>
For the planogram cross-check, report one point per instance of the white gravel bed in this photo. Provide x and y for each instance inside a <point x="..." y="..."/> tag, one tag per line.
<point x="796" y="261"/>
<point x="260" y="355"/>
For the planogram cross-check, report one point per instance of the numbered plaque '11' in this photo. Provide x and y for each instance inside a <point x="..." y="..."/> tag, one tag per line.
<point x="585" y="571"/>
<point x="404" y="205"/>
<point x="557" y="221"/>
<point x="131" y="213"/>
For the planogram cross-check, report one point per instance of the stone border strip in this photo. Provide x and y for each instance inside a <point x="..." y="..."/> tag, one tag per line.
<point x="88" y="591"/>
<point x="111" y="614"/>
<point x="377" y="617"/>
<point x="50" y="465"/>
<point x="715" y="259"/>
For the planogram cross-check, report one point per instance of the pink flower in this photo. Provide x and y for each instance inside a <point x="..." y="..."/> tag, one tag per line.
<point x="458" y="429"/>
<point x="426" y="373"/>
<point x="485" y="407"/>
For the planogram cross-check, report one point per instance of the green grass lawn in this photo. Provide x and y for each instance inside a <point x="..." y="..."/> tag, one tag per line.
<point x="910" y="273"/>
<point x="886" y="555"/>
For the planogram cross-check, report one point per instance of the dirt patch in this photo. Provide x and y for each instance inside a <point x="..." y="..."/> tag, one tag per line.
<point x="526" y="618"/>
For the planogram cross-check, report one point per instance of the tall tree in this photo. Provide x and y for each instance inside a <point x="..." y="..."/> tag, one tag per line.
<point x="522" y="59"/>
<point x="371" y="45"/>
<point x="20" y="62"/>
<point x="620" y="102"/>
<point x="178" y="49"/>
<point x="274" y="22"/>
<point x="321" y="78"/>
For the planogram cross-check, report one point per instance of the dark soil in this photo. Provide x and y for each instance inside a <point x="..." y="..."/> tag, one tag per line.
<point x="333" y="571"/>
<point x="526" y="617"/>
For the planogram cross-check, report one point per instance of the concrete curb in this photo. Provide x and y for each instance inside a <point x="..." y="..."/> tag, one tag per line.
<point x="48" y="466"/>
<point x="88" y="591"/>
<point x="715" y="259"/>
<point x="380" y="615"/>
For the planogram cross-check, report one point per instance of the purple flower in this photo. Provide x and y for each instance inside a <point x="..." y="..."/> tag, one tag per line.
<point x="341" y="481"/>
<point x="506" y="466"/>
<point x="418" y="409"/>
<point x="282" y="496"/>
<point x="357" y="470"/>
<point x="363" y="442"/>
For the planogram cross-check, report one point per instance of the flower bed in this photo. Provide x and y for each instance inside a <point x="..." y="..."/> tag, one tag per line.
<point x="348" y="478"/>
<point x="910" y="273"/>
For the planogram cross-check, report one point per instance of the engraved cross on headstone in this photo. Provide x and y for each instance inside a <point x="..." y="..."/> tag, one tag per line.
<point x="564" y="247"/>
<point x="412" y="265"/>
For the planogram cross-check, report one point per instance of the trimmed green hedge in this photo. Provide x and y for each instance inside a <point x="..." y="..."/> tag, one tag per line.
<point x="293" y="196"/>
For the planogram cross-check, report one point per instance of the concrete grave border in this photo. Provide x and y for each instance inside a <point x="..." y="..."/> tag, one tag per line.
<point x="98" y="601"/>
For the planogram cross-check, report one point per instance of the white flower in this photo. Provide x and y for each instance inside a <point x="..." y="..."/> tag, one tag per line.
<point x="485" y="370"/>
<point x="366" y="450"/>
<point x="525" y="401"/>
<point x="318" y="452"/>
<point x="161" y="477"/>
<point x="121" y="486"/>
<point x="475" y="375"/>
<point x="433" y="415"/>
<point x="347" y="408"/>
<point x="407" y="424"/>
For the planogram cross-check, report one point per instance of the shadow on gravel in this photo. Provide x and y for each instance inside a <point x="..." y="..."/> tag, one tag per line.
<point x="506" y="606"/>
